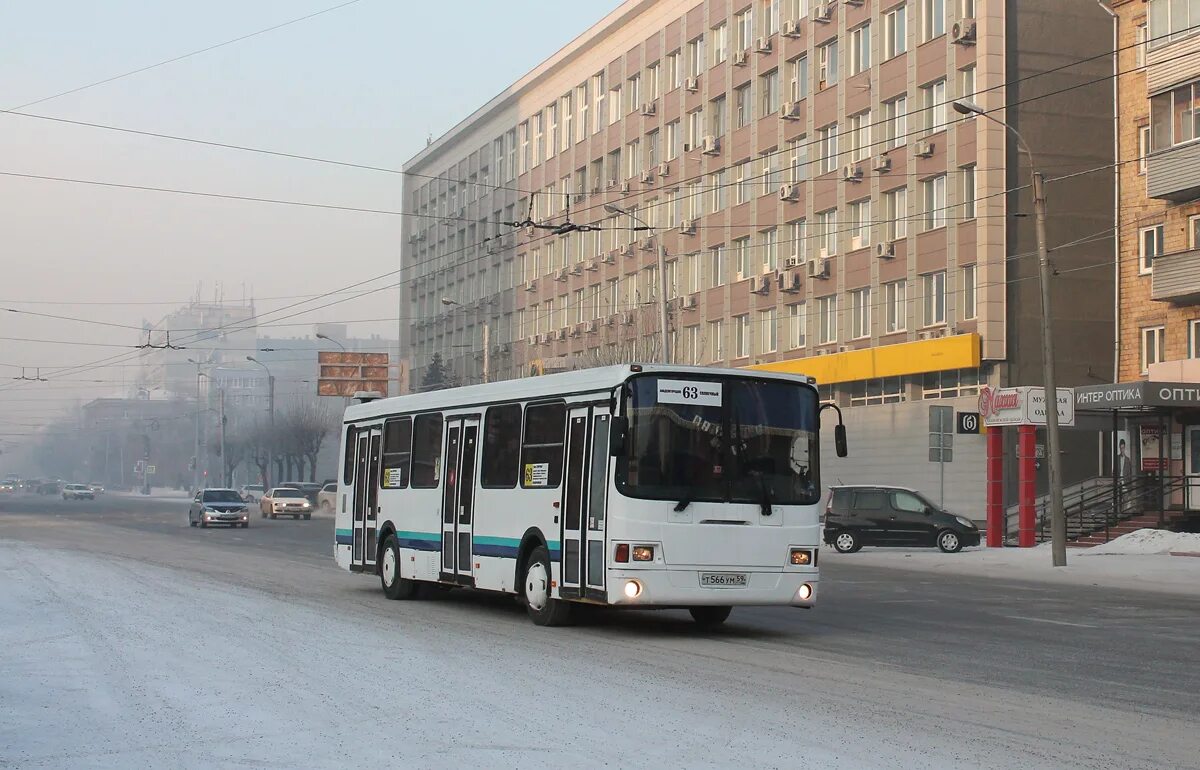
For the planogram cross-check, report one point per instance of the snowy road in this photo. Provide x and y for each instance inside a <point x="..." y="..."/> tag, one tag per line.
<point x="129" y="640"/>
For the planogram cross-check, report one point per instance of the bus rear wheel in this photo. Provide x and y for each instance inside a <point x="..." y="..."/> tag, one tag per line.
<point x="394" y="586"/>
<point x="543" y="609"/>
<point x="710" y="616"/>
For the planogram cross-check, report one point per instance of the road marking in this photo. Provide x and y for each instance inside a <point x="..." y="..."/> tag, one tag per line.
<point x="1047" y="620"/>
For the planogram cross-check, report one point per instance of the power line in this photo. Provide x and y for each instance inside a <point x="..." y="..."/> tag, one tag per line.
<point x="188" y="55"/>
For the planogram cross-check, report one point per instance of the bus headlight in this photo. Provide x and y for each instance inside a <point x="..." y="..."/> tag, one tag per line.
<point x="643" y="553"/>
<point x="633" y="589"/>
<point x="801" y="557"/>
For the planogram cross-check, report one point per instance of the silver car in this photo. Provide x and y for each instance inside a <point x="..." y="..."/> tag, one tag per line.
<point x="218" y="506"/>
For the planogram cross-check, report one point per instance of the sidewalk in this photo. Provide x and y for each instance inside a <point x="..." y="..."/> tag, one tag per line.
<point x="1157" y="572"/>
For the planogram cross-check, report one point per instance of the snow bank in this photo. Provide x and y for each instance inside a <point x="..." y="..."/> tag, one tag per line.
<point x="1148" y="541"/>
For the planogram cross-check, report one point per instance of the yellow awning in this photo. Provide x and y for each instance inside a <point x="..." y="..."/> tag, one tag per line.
<point x="961" y="351"/>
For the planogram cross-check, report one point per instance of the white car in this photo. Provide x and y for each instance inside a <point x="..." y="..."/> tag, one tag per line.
<point x="327" y="498"/>
<point x="78" y="492"/>
<point x="285" y="501"/>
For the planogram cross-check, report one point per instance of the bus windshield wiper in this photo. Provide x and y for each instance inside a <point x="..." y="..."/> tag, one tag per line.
<point x="682" y="504"/>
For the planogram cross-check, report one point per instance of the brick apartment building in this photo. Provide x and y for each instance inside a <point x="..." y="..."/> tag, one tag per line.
<point x="822" y="207"/>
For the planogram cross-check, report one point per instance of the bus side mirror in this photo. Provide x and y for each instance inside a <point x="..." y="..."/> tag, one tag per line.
<point x="618" y="429"/>
<point x="839" y="439"/>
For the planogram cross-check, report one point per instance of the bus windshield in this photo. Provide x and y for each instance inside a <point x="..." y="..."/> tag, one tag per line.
<point x="714" y="439"/>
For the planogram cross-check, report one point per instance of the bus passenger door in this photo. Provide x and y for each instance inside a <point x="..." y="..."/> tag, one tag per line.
<point x="458" y="499"/>
<point x="583" y="501"/>
<point x="366" y="500"/>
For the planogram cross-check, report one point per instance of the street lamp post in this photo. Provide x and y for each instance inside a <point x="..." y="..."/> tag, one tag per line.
<point x="662" y="278"/>
<point x="1058" y="521"/>
<point x="271" y="412"/>
<point x="196" y="455"/>
<point x="331" y="339"/>
<point x="486" y="335"/>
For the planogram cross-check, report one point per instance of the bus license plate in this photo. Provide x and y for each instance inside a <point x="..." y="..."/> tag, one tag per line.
<point x="724" y="579"/>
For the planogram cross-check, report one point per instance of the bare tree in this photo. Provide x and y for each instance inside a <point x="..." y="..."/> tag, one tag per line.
<point x="303" y="428"/>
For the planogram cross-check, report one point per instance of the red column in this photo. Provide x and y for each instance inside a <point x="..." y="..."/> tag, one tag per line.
<point x="995" y="487"/>
<point x="1026" y="485"/>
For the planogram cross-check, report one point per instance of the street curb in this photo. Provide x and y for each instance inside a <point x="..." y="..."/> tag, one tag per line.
<point x="1185" y="553"/>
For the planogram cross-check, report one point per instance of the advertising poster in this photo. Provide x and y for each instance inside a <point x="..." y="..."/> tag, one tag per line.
<point x="1149" y="449"/>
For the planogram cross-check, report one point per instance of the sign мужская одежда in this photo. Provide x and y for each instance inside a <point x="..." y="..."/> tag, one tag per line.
<point x="1025" y="405"/>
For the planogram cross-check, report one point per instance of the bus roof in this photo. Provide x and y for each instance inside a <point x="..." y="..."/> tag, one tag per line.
<point x="545" y="386"/>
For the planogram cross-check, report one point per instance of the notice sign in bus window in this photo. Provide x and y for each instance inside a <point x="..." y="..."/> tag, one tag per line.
<point x="537" y="474"/>
<point x="393" y="478"/>
<point x="689" y="392"/>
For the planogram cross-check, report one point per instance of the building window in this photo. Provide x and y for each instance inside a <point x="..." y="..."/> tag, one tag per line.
<point x="720" y="190"/>
<point x="826" y="320"/>
<point x="933" y="97"/>
<point x="768" y="333"/>
<point x="1140" y="40"/>
<point x="895" y="305"/>
<point x="1175" y="117"/>
<point x="798" y="80"/>
<point x="598" y="92"/>
<point x="895" y="211"/>
<point x="827" y="232"/>
<point x="770" y="17"/>
<point x="827" y="73"/>
<point x="933" y="299"/>
<point x="860" y="224"/>
<point x="796" y="326"/>
<point x="827" y="142"/>
<point x="1150" y="245"/>
<point x="674" y="73"/>
<point x="970" y="289"/>
<point x="672" y="141"/>
<point x="1172" y="20"/>
<point x="696" y="58"/>
<point x="615" y="105"/>
<point x="720" y="43"/>
<point x="859" y="135"/>
<point x="1153" y="340"/>
<point x="716" y="267"/>
<point x="895" y="122"/>
<point x="888" y="390"/>
<point x="952" y="383"/>
<point x="717" y="119"/>
<point x="1143" y="147"/>
<point x="741" y="336"/>
<point x="633" y="94"/>
<point x="741" y="106"/>
<point x="933" y="18"/>
<point x="860" y="49"/>
<point x="969" y="194"/>
<point x="1194" y="232"/>
<point x="800" y="241"/>
<point x="966" y="84"/>
<point x="770" y="249"/>
<point x="799" y="159"/>
<point x="743" y="180"/>
<point x="1194" y="338"/>
<point x="772" y="174"/>
<point x="860" y="314"/>
<point x="741" y="257"/>
<point x="716" y="341"/>
<point x="768" y="87"/>
<point x="695" y="128"/>
<point x="653" y="84"/>
<point x="895" y="32"/>
<point x="934" y="192"/>
<point x="743" y="25"/>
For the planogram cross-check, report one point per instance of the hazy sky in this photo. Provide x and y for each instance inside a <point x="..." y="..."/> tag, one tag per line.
<point x="354" y="84"/>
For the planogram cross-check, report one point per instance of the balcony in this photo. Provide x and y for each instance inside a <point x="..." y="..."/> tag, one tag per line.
<point x="1174" y="174"/>
<point x="1177" y="278"/>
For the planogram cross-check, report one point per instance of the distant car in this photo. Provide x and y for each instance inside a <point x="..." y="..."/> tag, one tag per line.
<point x="309" y="488"/>
<point x="892" y="516"/>
<point x="285" y="501"/>
<point x="218" y="506"/>
<point x="251" y="492"/>
<point x="78" y="492"/>
<point x="327" y="498"/>
<point x="49" y="488"/>
<point x="7" y="487"/>
<point x="97" y="489"/>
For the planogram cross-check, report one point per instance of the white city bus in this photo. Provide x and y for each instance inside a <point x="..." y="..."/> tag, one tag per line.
<point x="635" y="486"/>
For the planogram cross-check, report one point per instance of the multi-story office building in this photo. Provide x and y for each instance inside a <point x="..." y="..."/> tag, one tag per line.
<point x="819" y="204"/>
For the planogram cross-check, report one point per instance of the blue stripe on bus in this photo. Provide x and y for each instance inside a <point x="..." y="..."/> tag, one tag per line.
<point x="482" y="545"/>
<point x="343" y="536"/>
<point x="420" y="541"/>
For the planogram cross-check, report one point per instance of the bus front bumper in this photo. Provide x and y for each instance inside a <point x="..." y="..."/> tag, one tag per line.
<point x="712" y="586"/>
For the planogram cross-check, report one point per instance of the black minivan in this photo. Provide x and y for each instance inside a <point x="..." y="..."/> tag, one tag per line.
<point x="880" y="515"/>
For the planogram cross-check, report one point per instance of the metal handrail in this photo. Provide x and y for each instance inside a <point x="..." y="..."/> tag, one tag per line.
<point x="1133" y="495"/>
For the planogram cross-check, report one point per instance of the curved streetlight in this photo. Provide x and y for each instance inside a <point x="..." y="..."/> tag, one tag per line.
<point x="321" y="336"/>
<point x="1058" y="521"/>
<point x="662" y="278"/>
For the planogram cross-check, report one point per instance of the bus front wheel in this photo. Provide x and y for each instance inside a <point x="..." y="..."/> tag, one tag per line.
<point x="543" y="608"/>
<point x="394" y="586"/>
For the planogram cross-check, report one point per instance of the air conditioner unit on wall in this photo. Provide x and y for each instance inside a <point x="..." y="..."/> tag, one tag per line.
<point x="818" y="268"/>
<point x="740" y="58"/>
<point x="923" y="149"/>
<point x="710" y="145"/>
<point x="649" y="108"/>
<point x="883" y="163"/>
<point x="852" y="172"/>
<point x="790" y="111"/>
<point x="963" y="32"/>
<point x="789" y="192"/>
<point x="691" y="84"/>
<point x="823" y="12"/>
<point x="792" y="29"/>
<point x="763" y="45"/>
<point x="885" y="250"/>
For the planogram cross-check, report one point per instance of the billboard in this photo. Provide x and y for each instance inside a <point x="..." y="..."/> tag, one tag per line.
<point x="344" y="374"/>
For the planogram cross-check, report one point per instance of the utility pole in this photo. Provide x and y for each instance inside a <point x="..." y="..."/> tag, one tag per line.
<point x="271" y="411"/>
<point x="1058" y="520"/>
<point x="224" y="471"/>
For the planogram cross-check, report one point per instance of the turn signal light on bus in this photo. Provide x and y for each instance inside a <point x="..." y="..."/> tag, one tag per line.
<point x="801" y="557"/>
<point x="622" y="554"/>
<point x="643" y="553"/>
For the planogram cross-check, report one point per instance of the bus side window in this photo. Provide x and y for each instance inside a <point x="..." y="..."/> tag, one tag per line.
<point x="397" y="450"/>
<point x="542" y="446"/>
<point x="426" y="450"/>
<point x="501" y="445"/>
<point x="351" y="449"/>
